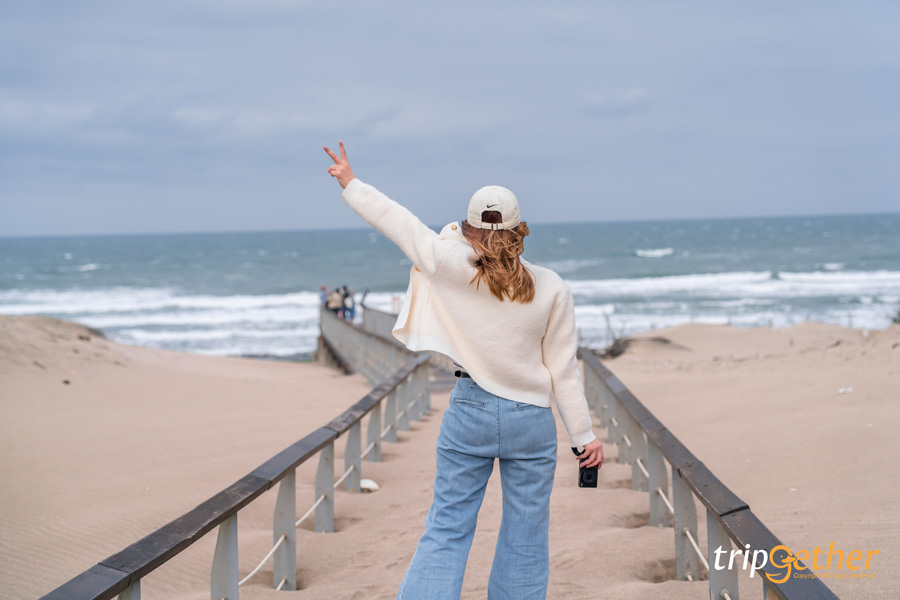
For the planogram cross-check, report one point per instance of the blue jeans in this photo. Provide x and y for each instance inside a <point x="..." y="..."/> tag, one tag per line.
<point x="477" y="428"/>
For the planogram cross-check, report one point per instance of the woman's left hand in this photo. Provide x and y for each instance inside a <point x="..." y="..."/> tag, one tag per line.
<point x="592" y="456"/>
<point x="341" y="167"/>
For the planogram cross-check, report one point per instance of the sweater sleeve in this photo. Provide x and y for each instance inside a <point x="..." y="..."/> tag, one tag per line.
<point x="396" y="222"/>
<point x="559" y="350"/>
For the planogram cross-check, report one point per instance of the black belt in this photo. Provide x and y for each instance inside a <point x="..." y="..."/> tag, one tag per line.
<point x="462" y="374"/>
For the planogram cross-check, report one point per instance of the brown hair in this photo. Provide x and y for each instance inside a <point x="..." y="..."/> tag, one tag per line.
<point x="498" y="262"/>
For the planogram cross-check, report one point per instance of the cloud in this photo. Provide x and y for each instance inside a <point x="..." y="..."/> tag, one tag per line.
<point x="618" y="103"/>
<point x="216" y="102"/>
<point x="39" y="116"/>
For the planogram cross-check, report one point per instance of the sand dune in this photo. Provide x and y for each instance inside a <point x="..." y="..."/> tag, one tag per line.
<point x="139" y="436"/>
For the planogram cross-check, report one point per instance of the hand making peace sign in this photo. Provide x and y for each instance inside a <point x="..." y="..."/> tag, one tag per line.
<point x="341" y="167"/>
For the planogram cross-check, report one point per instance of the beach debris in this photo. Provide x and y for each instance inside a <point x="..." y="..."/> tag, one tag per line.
<point x="845" y="390"/>
<point x="368" y="486"/>
<point x="39" y="365"/>
<point x="66" y="382"/>
<point x="621" y="344"/>
<point x="869" y="425"/>
<point x="792" y="490"/>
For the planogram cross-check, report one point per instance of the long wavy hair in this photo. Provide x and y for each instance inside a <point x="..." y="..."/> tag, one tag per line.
<point x="498" y="263"/>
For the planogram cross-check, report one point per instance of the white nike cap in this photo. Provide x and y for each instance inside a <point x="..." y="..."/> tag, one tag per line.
<point x="494" y="197"/>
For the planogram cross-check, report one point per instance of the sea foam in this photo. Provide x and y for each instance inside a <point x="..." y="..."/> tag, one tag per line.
<point x="654" y="252"/>
<point x="287" y="324"/>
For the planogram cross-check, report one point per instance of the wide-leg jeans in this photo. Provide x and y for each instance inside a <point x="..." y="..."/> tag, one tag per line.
<point x="478" y="427"/>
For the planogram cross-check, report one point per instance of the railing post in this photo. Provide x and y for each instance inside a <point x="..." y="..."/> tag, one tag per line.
<point x="373" y="368"/>
<point x="285" y="559"/>
<point x="426" y="387"/>
<point x="351" y="457"/>
<point x="391" y="364"/>
<point x="720" y="580"/>
<point x="132" y="592"/>
<point x="768" y="590"/>
<point x="385" y="362"/>
<point x="224" y="574"/>
<point x="373" y="434"/>
<point x="414" y="391"/>
<point x="372" y="358"/>
<point x="590" y="390"/>
<point x="364" y="365"/>
<point x="325" y="487"/>
<point x="686" y="562"/>
<point x="403" y="405"/>
<point x="603" y="396"/>
<point x="615" y="427"/>
<point x="599" y="386"/>
<point x="659" y="480"/>
<point x="421" y="379"/>
<point x="376" y="361"/>
<point x="390" y="416"/>
<point x="626" y="456"/>
<point x="358" y="350"/>
<point x="638" y="451"/>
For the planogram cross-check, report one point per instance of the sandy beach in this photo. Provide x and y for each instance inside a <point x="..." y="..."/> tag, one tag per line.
<point x="800" y="422"/>
<point x="139" y="436"/>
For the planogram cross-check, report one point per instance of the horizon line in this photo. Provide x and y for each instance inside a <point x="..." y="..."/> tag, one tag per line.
<point x="369" y="227"/>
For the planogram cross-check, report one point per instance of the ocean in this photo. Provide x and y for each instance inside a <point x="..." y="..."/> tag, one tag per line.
<point x="257" y="294"/>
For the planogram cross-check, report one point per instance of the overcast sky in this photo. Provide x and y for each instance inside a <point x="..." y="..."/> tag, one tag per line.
<point x="210" y="115"/>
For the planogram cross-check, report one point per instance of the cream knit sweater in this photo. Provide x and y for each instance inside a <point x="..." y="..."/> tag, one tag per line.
<point x="522" y="352"/>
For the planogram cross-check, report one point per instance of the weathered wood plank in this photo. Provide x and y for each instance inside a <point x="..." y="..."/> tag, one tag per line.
<point x="671" y="447"/>
<point x="746" y="528"/>
<point x="714" y="494"/>
<point x="640" y="413"/>
<point x="349" y="417"/>
<point x="97" y="583"/>
<point x="291" y="457"/>
<point x="146" y="554"/>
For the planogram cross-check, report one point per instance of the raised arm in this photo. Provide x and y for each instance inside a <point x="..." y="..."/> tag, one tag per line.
<point x="413" y="237"/>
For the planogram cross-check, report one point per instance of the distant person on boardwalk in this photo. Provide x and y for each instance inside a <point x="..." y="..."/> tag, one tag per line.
<point x="510" y="326"/>
<point x="349" y="304"/>
<point x="323" y="296"/>
<point x="335" y="302"/>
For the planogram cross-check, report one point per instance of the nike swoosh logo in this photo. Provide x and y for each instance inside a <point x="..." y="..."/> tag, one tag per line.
<point x="491" y="205"/>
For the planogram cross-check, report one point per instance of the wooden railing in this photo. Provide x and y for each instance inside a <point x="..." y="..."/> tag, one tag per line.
<point x="648" y="446"/>
<point x="401" y="379"/>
